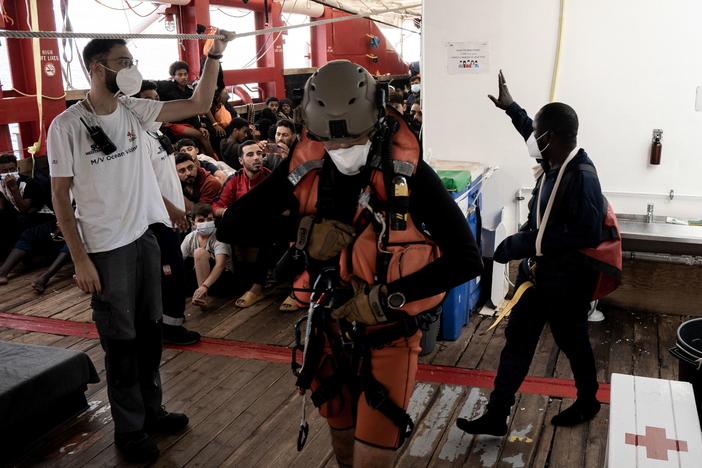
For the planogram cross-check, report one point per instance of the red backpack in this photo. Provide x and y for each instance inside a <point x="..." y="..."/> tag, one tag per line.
<point x="606" y="258"/>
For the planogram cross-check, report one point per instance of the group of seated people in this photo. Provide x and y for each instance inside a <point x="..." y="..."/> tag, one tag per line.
<point x="211" y="180"/>
<point x="29" y="228"/>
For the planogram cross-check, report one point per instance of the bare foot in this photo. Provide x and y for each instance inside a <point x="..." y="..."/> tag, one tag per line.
<point x="202" y="302"/>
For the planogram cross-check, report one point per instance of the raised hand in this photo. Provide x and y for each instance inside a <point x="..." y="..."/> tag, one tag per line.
<point x="504" y="98"/>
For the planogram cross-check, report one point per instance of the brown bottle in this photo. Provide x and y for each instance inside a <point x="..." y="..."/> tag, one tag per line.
<point x="656" y="146"/>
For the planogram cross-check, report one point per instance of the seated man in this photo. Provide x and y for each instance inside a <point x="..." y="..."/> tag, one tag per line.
<point x="208" y="262"/>
<point x="251" y="174"/>
<point x="39" y="239"/>
<point x="21" y="203"/>
<point x="229" y="148"/>
<point x="198" y="185"/>
<point x="278" y="150"/>
<point x="286" y="109"/>
<point x="219" y="169"/>
<point x="270" y="112"/>
<point x="178" y="88"/>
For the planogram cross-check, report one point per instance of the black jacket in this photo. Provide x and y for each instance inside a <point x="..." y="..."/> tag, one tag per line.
<point x="577" y="218"/>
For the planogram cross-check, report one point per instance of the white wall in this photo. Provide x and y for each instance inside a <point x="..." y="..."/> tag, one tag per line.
<point x="627" y="66"/>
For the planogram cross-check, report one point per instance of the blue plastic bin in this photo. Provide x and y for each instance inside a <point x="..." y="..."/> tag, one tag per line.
<point x="461" y="301"/>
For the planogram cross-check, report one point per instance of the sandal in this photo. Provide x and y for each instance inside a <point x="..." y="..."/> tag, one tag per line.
<point x="248" y="299"/>
<point x="289" y="305"/>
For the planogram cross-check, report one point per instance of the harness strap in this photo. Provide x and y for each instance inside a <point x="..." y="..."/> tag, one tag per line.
<point x="303" y="169"/>
<point x="378" y="398"/>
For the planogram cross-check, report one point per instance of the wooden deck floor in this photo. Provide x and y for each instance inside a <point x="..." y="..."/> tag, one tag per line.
<point x="244" y="412"/>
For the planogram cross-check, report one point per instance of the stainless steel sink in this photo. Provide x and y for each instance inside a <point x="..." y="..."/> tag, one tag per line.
<point x="658" y="236"/>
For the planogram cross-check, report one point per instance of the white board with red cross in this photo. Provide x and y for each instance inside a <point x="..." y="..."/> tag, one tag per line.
<point x="652" y="423"/>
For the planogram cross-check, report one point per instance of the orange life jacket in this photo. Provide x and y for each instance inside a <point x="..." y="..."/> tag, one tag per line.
<point x="410" y="249"/>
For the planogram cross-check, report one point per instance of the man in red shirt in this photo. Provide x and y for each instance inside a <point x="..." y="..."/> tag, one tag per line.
<point x="199" y="186"/>
<point x="251" y="174"/>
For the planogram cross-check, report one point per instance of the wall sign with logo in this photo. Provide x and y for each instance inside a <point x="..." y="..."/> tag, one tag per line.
<point x="467" y="57"/>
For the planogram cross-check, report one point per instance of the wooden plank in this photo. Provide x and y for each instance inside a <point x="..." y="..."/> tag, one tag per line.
<point x="9" y="334"/>
<point x="16" y="303"/>
<point x="667" y="336"/>
<point x="544" y="362"/>
<point x="432" y="426"/>
<point x="239" y="420"/>
<point x="269" y="318"/>
<point x="455" y="444"/>
<point x="600" y="340"/>
<point x="275" y="438"/>
<point x="525" y="430"/>
<point x="545" y="442"/>
<point x="316" y="452"/>
<point x="70" y="313"/>
<point x="597" y="439"/>
<point x="491" y="357"/>
<point x="194" y="398"/>
<point x="646" y="345"/>
<point x="447" y="353"/>
<point x="621" y="359"/>
<point x="476" y="348"/>
<point x="237" y="318"/>
<point x="569" y="443"/>
<point x="47" y="306"/>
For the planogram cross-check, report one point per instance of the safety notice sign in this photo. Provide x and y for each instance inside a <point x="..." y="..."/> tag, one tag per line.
<point x="467" y="57"/>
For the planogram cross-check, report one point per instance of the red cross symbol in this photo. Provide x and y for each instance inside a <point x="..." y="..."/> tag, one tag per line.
<point x="656" y="443"/>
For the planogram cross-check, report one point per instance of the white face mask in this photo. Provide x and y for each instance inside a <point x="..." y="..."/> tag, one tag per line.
<point x="206" y="228"/>
<point x="128" y="80"/>
<point x="14" y="175"/>
<point x="533" y="146"/>
<point x="350" y="160"/>
<point x="416" y="88"/>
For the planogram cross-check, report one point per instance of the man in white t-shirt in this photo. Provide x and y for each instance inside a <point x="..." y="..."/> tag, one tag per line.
<point x="98" y="157"/>
<point x="173" y="287"/>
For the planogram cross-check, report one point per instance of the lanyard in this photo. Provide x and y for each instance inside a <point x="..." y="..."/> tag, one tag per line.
<point x="542" y="222"/>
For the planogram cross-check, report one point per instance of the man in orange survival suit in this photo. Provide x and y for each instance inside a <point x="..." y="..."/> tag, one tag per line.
<point x="389" y="271"/>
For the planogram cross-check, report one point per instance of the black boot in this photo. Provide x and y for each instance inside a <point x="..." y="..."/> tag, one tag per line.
<point x="578" y="412"/>
<point x="164" y="422"/>
<point x="489" y="423"/>
<point x="137" y="447"/>
<point x="179" y="335"/>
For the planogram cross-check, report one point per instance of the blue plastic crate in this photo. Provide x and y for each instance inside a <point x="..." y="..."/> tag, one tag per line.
<point x="454" y="313"/>
<point x="462" y="300"/>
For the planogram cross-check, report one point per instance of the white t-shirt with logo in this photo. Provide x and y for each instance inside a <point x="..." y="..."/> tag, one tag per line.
<point x="116" y="195"/>
<point x="165" y="170"/>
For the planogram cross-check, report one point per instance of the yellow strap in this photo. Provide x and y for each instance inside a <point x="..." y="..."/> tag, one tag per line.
<point x="513" y="302"/>
<point x="34" y="149"/>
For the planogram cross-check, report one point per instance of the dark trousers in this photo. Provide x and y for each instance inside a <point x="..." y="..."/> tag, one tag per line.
<point x="565" y="308"/>
<point x="127" y="314"/>
<point x="173" y="283"/>
<point x="38" y="238"/>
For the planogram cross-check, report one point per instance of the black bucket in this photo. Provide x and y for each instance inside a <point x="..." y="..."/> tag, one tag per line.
<point x="688" y="350"/>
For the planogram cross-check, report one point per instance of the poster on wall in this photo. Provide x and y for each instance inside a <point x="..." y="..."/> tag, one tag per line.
<point x="467" y="58"/>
